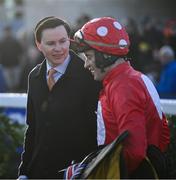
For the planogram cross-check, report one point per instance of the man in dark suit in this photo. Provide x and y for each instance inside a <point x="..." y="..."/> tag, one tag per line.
<point x="60" y="116"/>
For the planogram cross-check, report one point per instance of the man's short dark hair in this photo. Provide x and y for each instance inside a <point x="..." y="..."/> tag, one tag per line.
<point x="49" y="22"/>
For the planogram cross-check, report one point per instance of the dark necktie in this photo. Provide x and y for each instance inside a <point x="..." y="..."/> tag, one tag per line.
<point x="51" y="80"/>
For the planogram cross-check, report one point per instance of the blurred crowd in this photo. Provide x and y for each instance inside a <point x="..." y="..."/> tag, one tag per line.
<point x="153" y="47"/>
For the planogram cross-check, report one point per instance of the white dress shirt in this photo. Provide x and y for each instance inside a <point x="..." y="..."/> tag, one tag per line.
<point x="60" y="68"/>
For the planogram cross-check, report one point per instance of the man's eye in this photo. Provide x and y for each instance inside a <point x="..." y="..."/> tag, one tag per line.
<point x="50" y="43"/>
<point x="63" y="41"/>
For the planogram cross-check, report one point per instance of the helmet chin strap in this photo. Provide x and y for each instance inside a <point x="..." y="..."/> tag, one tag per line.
<point x="104" y="60"/>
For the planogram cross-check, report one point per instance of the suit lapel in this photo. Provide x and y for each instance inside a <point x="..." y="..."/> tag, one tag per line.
<point x="72" y="66"/>
<point x="41" y="75"/>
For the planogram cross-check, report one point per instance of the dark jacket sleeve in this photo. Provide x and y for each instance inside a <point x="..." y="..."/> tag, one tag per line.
<point x="29" y="134"/>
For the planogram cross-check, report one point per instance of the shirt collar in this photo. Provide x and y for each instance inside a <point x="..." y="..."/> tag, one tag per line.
<point x="60" y="68"/>
<point x="120" y="69"/>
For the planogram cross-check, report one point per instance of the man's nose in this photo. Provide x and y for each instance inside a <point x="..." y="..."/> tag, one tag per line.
<point x="57" y="47"/>
<point x="86" y="64"/>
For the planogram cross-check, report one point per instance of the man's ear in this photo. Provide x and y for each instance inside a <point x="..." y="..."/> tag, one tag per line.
<point x="38" y="45"/>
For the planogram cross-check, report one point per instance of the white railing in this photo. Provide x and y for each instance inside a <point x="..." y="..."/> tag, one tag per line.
<point x="169" y="106"/>
<point x="18" y="100"/>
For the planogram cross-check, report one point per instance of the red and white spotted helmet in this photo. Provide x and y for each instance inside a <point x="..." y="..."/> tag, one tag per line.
<point x="104" y="34"/>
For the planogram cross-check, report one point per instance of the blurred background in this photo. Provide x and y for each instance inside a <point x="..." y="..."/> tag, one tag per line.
<point x="151" y="25"/>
